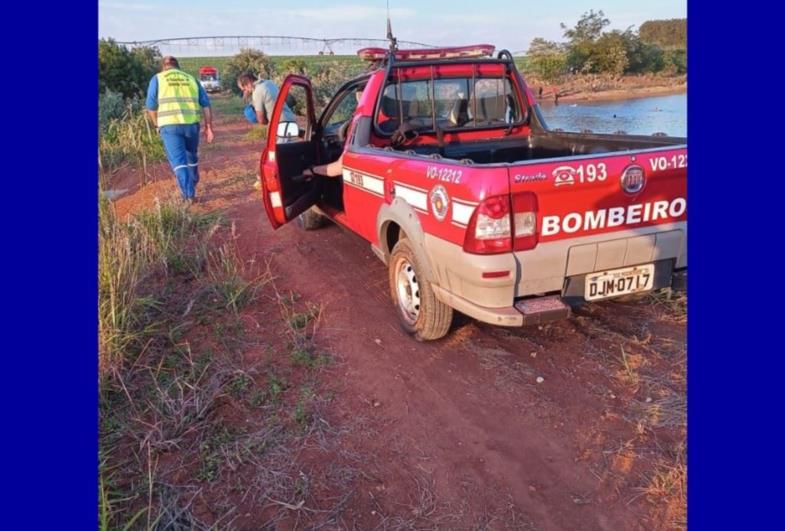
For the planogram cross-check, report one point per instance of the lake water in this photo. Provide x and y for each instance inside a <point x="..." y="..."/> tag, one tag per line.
<point x="639" y="116"/>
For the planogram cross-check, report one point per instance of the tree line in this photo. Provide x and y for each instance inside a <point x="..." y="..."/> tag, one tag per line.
<point x="659" y="46"/>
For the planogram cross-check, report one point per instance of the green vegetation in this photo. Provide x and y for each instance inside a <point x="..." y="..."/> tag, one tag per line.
<point x="248" y="60"/>
<point x="667" y="34"/>
<point x="327" y="72"/>
<point x="225" y="103"/>
<point x="126" y="135"/>
<point x="177" y="401"/>
<point x="125" y="71"/>
<point x="546" y="58"/>
<point x="166" y="241"/>
<point x="281" y="63"/>
<point x="658" y="47"/>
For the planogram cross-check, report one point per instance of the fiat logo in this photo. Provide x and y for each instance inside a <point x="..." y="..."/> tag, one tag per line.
<point x="633" y="180"/>
<point x="440" y="202"/>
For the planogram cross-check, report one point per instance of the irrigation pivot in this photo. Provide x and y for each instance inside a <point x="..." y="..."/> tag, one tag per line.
<point x="281" y="44"/>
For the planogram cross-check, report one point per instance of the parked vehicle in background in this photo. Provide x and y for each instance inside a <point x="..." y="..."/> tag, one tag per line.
<point x="473" y="203"/>
<point x="210" y="78"/>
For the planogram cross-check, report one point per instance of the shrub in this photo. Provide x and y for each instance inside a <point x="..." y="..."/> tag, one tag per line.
<point x="546" y="59"/>
<point x="125" y="71"/>
<point x="675" y="62"/>
<point x="669" y="34"/>
<point x="328" y="78"/>
<point x="111" y="106"/>
<point x="294" y="66"/>
<point x="248" y="60"/>
<point x="609" y="54"/>
<point x="129" y="138"/>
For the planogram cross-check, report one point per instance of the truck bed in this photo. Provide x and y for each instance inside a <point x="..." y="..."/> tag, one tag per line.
<point x="545" y="145"/>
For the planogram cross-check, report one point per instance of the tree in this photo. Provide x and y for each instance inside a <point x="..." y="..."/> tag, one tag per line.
<point x="581" y="52"/>
<point x="547" y="59"/>
<point x="125" y="71"/>
<point x="588" y="28"/>
<point x="248" y="60"/>
<point x="609" y="54"/>
<point x="642" y="56"/>
<point x="668" y="34"/>
<point x="590" y="50"/>
<point x="675" y="62"/>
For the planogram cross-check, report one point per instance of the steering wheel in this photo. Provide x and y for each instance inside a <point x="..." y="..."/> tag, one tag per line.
<point x="343" y="130"/>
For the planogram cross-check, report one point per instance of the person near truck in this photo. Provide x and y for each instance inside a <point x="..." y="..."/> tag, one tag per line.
<point x="176" y="102"/>
<point x="263" y="93"/>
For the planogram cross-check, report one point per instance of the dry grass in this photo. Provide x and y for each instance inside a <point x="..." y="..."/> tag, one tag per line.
<point x="257" y="132"/>
<point x="129" y="139"/>
<point x="630" y="343"/>
<point x="670" y="305"/>
<point x="192" y="430"/>
<point x="666" y="490"/>
<point x="163" y="242"/>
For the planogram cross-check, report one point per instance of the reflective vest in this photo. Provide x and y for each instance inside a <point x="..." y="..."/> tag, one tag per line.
<point x="178" y="98"/>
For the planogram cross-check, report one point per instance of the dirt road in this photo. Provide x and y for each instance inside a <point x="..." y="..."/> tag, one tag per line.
<point x="459" y="432"/>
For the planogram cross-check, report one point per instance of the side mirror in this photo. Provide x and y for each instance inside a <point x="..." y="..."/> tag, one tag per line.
<point x="287" y="130"/>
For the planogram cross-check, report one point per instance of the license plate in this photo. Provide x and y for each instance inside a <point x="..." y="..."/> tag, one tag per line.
<point x="619" y="282"/>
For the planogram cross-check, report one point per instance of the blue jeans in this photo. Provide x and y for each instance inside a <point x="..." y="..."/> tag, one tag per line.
<point x="181" y="143"/>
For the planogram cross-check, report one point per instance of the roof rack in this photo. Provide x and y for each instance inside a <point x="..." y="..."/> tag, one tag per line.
<point x="455" y="52"/>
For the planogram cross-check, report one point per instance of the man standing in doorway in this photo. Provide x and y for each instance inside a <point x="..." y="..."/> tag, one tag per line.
<point x="176" y="102"/>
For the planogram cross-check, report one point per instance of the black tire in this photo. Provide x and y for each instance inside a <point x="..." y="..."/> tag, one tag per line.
<point x="420" y="312"/>
<point x="310" y="219"/>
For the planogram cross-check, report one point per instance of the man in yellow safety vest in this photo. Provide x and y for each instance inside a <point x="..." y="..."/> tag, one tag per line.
<point x="176" y="102"/>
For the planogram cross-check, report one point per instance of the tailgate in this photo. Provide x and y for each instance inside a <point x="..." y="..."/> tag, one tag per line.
<point x="603" y="211"/>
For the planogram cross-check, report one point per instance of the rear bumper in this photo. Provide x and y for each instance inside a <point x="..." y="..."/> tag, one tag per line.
<point x="507" y="316"/>
<point x="461" y="279"/>
<point x="525" y="312"/>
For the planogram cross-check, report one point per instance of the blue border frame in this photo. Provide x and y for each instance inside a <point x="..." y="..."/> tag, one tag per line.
<point x="735" y="193"/>
<point x="50" y="265"/>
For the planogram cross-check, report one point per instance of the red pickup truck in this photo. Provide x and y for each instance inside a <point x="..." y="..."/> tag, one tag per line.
<point x="474" y="204"/>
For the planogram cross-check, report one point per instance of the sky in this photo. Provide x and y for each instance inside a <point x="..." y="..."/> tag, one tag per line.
<point x="504" y="23"/>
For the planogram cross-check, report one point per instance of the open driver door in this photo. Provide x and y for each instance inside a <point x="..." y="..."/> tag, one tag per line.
<point x="291" y="148"/>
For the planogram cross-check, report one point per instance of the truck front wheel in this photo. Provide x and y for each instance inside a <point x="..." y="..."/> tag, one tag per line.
<point x="421" y="313"/>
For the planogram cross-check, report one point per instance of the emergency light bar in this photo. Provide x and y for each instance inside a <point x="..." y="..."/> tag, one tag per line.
<point x="475" y="50"/>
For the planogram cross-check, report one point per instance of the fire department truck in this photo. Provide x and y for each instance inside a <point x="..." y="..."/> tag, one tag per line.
<point x="472" y="202"/>
<point x="210" y="79"/>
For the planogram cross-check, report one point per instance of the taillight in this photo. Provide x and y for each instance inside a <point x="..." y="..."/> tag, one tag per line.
<point x="524" y="208"/>
<point x="499" y="226"/>
<point x="489" y="230"/>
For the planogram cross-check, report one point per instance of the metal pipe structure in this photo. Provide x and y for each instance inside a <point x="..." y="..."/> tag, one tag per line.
<point x="323" y="46"/>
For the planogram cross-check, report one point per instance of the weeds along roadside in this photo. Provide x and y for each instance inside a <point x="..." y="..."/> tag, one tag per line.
<point x="126" y="136"/>
<point x="193" y="428"/>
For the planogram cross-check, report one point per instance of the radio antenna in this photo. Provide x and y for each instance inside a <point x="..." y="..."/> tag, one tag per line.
<point x="393" y="40"/>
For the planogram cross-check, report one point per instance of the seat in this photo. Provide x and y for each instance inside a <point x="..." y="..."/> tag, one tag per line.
<point x="459" y="113"/>
<point x="388" y="115"/>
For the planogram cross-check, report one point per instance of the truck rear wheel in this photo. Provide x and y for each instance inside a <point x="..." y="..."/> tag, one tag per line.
<point x="311" y="219"/>
<point x="421" y="313"/>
